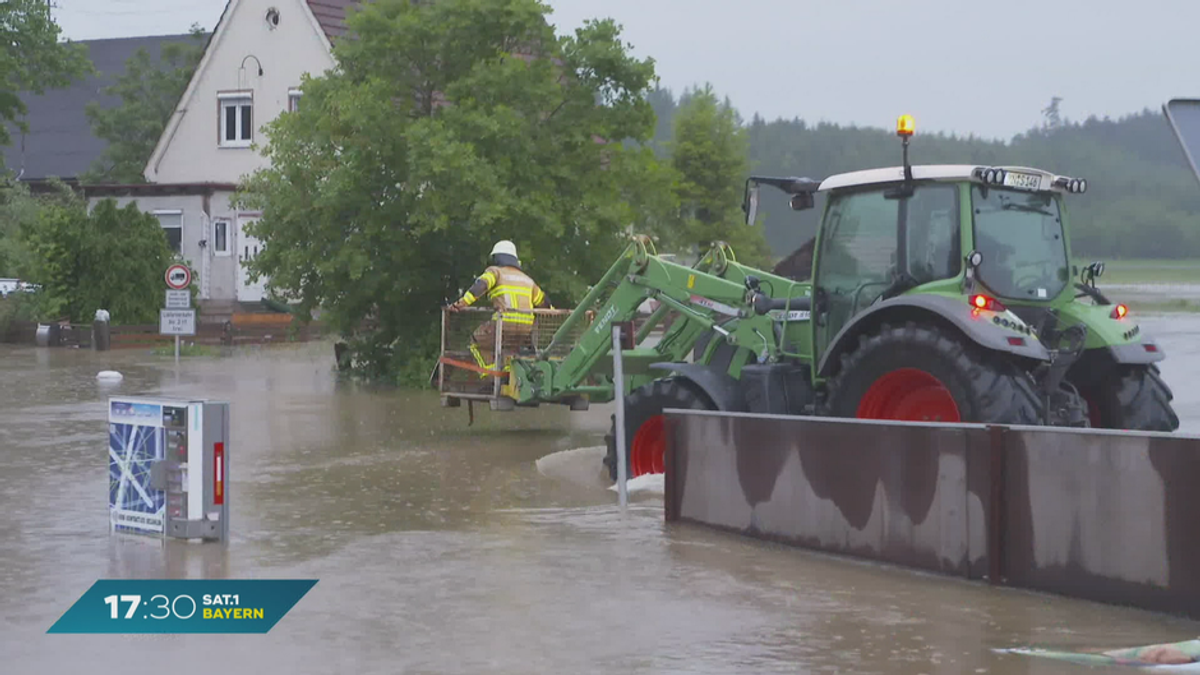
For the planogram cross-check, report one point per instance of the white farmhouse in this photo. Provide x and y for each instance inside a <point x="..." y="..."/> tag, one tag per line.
<point x="249" y="74"/>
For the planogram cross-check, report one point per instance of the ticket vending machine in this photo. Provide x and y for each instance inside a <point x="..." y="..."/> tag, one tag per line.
<point x="168" y="468"/>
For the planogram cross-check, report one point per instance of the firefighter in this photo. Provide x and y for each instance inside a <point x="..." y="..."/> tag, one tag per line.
<point x="512" y="293"/>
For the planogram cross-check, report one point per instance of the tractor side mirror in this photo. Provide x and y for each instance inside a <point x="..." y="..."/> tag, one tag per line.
<point x="802" y="201"/>
<point x="973" y="260"/>
<point x="750" y="204"/>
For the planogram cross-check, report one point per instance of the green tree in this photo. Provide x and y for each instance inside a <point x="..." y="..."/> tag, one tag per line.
<point x="446" y="127"/>
<point x="111" y="258"/>
<point x="149" y="93"/>
<point x="709" y="152"/>
<point x="18" y="211"/>
<point x="1050" y="112"/>
<point x="32" y="60"/>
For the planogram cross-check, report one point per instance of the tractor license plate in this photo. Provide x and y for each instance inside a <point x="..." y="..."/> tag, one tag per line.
<point x="1023" y="181"/>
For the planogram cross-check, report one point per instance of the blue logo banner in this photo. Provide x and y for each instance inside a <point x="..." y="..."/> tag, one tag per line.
<point x="182" y="606"/>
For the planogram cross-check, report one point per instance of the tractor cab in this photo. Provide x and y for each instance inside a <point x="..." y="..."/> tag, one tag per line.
<point x="990" y="235"/>
<point x="912" y="263"/>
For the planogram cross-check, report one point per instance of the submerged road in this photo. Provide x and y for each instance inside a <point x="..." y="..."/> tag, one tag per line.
<point x="491" y="549"/>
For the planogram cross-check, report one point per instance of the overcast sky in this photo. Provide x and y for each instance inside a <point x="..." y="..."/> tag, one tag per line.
<point x="960" y="66"/>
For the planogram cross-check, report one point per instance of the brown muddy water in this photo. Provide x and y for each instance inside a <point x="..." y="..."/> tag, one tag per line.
<point x="443" y="548"/>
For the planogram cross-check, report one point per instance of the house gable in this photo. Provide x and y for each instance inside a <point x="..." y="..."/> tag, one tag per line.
<point x="255" y="59"/>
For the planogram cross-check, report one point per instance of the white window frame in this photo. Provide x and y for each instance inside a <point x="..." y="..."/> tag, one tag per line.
<point x="228" y="223"/>
<point x="236" y="100"/>
<point x="171" y="212"/>
<point x="293" y="101"/>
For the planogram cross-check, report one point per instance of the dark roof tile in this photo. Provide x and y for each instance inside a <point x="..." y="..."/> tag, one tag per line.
<point x="331" y="14"/>
<point x="60" y="141"/>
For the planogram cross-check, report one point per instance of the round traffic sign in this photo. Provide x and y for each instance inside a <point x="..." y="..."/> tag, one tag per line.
<point x="179" y="277"/>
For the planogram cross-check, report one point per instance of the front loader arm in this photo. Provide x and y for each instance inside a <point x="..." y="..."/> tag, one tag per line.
<point x="701" y="299"/>
<point x="696" y="296"/>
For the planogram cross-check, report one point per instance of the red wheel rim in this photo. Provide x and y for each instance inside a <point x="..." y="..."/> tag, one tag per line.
<point x="648" y="448"/>
<point x="909" y="394"/>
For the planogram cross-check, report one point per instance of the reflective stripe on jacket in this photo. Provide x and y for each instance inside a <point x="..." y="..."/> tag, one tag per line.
<point x="510" y="291"/>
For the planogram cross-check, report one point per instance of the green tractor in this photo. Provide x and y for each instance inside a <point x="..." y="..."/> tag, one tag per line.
<point x="938" y="293"/>
<point x="946" y="293"/>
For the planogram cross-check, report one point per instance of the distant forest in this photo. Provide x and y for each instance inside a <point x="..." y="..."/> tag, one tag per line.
<point x="1142" y="199"/>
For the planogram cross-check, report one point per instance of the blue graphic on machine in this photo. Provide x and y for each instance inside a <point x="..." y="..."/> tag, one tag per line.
<point x="168" y="468"/>
<point x="133" y="503"/>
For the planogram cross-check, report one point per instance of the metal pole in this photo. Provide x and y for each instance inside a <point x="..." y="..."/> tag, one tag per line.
<point x="441" y="367"/>
<point x="496" y="356"/>
<point x="619" y="388"/>
<point x="176" y="350"/>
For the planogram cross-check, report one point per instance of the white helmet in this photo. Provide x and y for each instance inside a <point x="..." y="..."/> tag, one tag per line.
<point x="505" y="247"/>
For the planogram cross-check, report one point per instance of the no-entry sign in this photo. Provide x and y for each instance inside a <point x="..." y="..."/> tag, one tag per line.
<point x="179" y="277"/>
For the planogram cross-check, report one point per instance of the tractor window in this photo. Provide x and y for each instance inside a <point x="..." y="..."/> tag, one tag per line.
<point x="856" y="255"/>
<point x="859" y="246"/>
<point x="934" y="250"/>
<point x="857" y="260"/>
<point x="1020" y="235"/>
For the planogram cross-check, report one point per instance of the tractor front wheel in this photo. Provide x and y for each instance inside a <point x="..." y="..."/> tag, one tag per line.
<point x="645" y="425"/>
<point x="925" y="373"/>
<point x="1130" y="397"/>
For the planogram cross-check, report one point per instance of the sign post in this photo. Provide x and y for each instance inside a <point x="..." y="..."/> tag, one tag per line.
<point x="178" y="318"/>
<point x="619" y="388"/>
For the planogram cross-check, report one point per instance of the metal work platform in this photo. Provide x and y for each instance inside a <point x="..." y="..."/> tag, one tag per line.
<point x="476" y="348"/>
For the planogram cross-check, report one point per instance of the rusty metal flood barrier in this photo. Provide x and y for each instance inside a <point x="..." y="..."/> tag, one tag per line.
<point x="1100" y="515"/>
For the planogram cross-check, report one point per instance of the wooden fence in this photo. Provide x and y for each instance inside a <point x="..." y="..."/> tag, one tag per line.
<point x="239" y="330"/>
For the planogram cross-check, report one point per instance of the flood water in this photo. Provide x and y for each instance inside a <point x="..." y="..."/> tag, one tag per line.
<point x="443" y="548"/>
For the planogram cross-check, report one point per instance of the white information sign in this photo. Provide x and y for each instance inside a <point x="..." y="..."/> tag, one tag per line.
<point x="177" y="322"/>
<point x="179" y="299"/>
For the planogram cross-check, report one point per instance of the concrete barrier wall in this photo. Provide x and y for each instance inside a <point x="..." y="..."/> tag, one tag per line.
<point x="1093" y="514"/>
<point x="1103" y="515"/>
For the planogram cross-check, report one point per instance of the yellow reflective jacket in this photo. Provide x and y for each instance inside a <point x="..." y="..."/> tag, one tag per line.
<point x="510" y="291"/>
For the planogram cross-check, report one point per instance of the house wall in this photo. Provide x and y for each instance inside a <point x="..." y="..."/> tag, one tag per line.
<point x="193" y="151"/>
<point x="217" y="270"/>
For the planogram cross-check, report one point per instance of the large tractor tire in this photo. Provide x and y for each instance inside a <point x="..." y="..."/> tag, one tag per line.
<point x="925" y="373"/>
<point x="645" y="430"/>
<point x="1130" y="397"/>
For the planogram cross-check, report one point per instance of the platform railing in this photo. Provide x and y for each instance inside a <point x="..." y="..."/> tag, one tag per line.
<point x="476" y="347"/>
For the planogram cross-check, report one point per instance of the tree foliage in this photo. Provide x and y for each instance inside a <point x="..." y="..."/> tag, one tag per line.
<point x="32" y="59"/>
<point x="111" y="258"/>
<point x="708" y="150"/>
<point x="446" y="127"/>
<point x="18" y="212"/>
<point x="149" y="94"/>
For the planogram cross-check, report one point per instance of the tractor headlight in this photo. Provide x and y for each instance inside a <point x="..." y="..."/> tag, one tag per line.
<point x="991" y="176"/>
<point x="1072" y="185"/>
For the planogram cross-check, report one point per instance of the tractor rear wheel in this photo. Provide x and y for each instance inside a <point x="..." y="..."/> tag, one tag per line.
<point x="1130" y="397"/>
<point x="925" y="373"/>
<point x="645" y="429"/>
